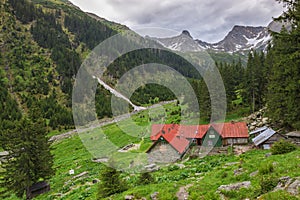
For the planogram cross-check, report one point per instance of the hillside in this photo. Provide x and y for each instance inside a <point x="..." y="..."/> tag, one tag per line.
<point x="202" y="176"/>
<point x="41" y="51"/>
<point x="199" y="178"/>
<point x="43" y="44"/>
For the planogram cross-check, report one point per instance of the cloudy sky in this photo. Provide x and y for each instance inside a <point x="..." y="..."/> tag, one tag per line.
<point x="208" y="20"/>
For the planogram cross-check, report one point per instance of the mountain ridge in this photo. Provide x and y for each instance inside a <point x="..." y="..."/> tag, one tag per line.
<point x="239" y="39"/>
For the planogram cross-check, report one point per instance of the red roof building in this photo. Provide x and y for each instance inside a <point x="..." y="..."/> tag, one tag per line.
<point x="180" y="137"/>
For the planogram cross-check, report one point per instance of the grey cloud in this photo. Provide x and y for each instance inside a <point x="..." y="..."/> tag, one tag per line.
<point x="206" y="20"/>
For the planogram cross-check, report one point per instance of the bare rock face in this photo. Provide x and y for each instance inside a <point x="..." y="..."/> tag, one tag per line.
<point x="294" y="187"/>
<point x="289" y="184"/>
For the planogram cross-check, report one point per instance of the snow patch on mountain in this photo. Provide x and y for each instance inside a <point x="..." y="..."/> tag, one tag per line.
<point x="240" y="39"/>
<point x="183" y="42"/>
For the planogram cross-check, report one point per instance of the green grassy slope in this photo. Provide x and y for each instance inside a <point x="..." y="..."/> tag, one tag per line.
<point x="205" y="175"/>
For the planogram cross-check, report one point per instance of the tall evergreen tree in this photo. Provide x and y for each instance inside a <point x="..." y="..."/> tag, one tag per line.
<point x="29" y="158"/>
<point x="110" y="183"/>
<point x="284" y="82"/>
<point x="254" y="81"/>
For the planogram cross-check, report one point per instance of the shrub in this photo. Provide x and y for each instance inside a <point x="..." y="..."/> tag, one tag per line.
<point x="280" y="193"/>
<point x="224" y="175"/>
<point x="282" y="147"/>
<point x="267" y="184"/>
<point x="173" y="167"/>
<point x="145" y="178"/>
<point x="266" y="168"/>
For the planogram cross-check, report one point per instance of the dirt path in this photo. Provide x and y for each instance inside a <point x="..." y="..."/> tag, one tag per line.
<point x="183" y="194"/>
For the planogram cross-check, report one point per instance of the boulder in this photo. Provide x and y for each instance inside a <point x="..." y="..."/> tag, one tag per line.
<point x="265" y="120"/>
<point x="235" y="186"/>
<point x="154" y="196"/>
<point x="129" y="197"/>
<point x="268" y="155"/>
<point x="151" y="167"/>
<point x="238" y="171"/>
<point x="232" y="163"/>
<point x="254" y="123"/>
<point x="254" y="173"/>
<point x="252" y="128"/>
<point x="288" y="184"/>
<point x="260" y="124"/>
<point x="293" y="188"/>
<point x="181" y="166"/>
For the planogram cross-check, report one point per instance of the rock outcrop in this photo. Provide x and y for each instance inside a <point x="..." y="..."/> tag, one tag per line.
<point x="257" y="119"/>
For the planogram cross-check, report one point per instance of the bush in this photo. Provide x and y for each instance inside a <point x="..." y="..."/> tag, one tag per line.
<point x="173" y="167"/>
<point x="282" y="147"/>
<point x="267" y="184"/>
<point x="224" y="175"/>
<point x="280" y="193"/>
<point x="145" y="178"/>
<point x="266" y="168"/>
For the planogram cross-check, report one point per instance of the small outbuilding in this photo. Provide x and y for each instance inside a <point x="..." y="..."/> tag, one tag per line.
<point x="267" y="138"/>
<point x="38" y="188"/>
<point x="258" y="131"/>
<point x="294" y="137"/>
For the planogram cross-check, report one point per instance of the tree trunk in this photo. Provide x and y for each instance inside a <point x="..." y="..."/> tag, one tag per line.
<point x="28" y="194"/>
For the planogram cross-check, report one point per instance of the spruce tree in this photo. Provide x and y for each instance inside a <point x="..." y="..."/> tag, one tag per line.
<point x="110" y="184"/>
<point x="284" y="80"/>
<point x="29" y="159"/>
<point x="254" y="81"/>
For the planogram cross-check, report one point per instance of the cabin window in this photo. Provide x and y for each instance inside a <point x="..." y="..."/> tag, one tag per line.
<point x="163" y="141"/>
<point x="212" y="136"/>
<point x="209" y="142"/>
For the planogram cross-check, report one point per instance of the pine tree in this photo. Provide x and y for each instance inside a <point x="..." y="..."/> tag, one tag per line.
<point x="29" y="159"/>
<point x="110" y="184"/>
<point x="254" y="81"/>
<point x="284" y="82"/>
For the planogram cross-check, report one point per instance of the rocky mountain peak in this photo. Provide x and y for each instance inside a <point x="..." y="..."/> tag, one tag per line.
<point x="240" y="39"/>
<point x="187" y="33"/>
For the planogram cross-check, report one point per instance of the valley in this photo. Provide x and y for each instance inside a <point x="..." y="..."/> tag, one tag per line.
<point x="251" y="76"/>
